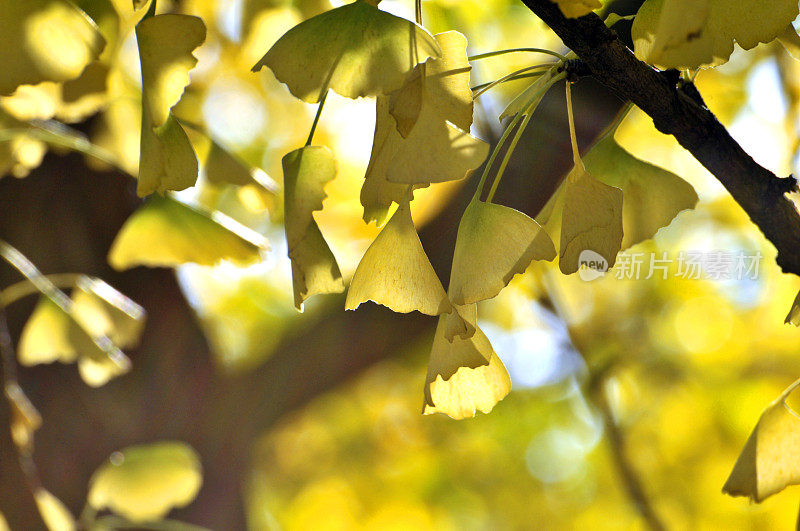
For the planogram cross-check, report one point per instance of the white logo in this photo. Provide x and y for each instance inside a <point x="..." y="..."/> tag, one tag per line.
<point x="591" y="265"/>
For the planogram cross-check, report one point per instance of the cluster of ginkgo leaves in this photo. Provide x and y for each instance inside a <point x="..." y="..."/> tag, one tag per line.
<point x="424" y="112"/>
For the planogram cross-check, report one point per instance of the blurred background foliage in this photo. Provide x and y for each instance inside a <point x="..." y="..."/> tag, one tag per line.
<point x="679" y="369"/>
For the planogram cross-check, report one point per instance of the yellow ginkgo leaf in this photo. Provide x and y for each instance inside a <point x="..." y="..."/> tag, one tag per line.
<point x="653" y="196"/>
<point x="461" y="322"/>
<point x="531" y="96"/>
<point x="578" y="8"/>
<point x="143" y="483"/>
<point x="770" y="460"/>
<point x="167" y="160"/>
<point x="463" y="375"/>
<point x="494" y="243"/>
<point x="396" y="272"/>
<point x="44" y="40"/>
<point x="356" y="50"/>
<point x="166" y="233"/>
<point x="306" y="171"/>
<point x="222" y="167"/>
<point x="104" y="311"/>
<point x="424" y="145"/>
<point x="694" y="33"/>
<point x="591" y="220"/>
<point x="53" y="334"/>
<point x="55" y="514"/>
<point x="25" y="419"/>
<point x="794" y="314"/>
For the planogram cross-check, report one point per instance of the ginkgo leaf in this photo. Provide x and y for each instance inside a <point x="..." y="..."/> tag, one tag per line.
<point x="770" y="460"/>
<point x="461" y="322"/>
<point x="306" y="171"/>
<point x="396" y="272"/>
<point x="653" y="196"/>
<point x="167" y="160"/>
<point x="54" y="334"/>
<point x="104" y="311"/>
<point x="494" y="243"/>
<point x="694" y="33"/>
<point x="578" y="8"/>
<point x="463" y="375"/>
<point x="143" y="483"/>
<point x="436" y="146"/>
<point x="530" y="97"/>
<point x="45" y="40"/>
<point x="791" y="41"/>
<point x="54" y="513"/>
<point x="794" y="314"/>
<point x="25" y="419"/>
<point x="591" y="220"/>
<point x="164" y="232"/>
<point x="356" y="50"/>
<point x="222" y="167"/>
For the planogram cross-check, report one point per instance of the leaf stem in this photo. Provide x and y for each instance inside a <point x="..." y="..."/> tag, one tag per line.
<point x="418" y="11"/>
<point x="512" y="50"/>
<point x="23" y="288"/>
<point x="496" y="151"/>
<point x="488" y="86"/>
<point x="42" y="284"/>
<point x="576" y="155"/>
<point x="506" y="79"/>
<point x="316" y="117"/>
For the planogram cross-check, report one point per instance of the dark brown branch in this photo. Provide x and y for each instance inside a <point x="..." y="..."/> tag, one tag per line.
<point x="675" y="112"/>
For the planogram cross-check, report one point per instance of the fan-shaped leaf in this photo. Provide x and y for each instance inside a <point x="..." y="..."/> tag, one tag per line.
<point x="306" y="171"/>
<point x="166" y="233"/>
<point x="356" y="50"/>
<point x="463" y="375"/>
<point x="44" y="40"/>
<point x="693" y="33"/>
<point x="104" y="311"/>
<point x="770" y="460"/>
<point x="578" y="8"/>
<point x="591" y="220"/>
<point x="794" y="314"/>
<point x="396" y="273"/>
<point x="653" y="196"/>
<point x="143" y="483"/>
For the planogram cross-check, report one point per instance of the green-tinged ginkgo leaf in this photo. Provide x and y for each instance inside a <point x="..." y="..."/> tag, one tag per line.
<point x="222" y="167"/>
<point x="53" y="334"/>
<point x="463" y="375"/>
<point x="653" y="196"/>
<point x="164" y="232"/>
<point x="25" y="419"/>
<point x="436" y="146"/>
<point x="591" y="220"/>
<point x="143" y="483"/>
<point x="356" y="50"/>
<point x="694" y="33"/>
<point x="531" y="96"/>
<point x="794" y="314"/>
<point x="44" y="40"/>
<point x="55" y="514"/>
<point x="306" y="171"/>
<point x="494" y="243"/>
<point x="166" y="42"/>
<point x="578" y="8"/>
<point x="770" y="460"/>
<point x="104" y="311"/>
<point x="396" y="272"/>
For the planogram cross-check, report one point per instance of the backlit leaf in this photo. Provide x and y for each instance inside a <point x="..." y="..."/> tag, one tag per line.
<point x="770" y="460"/>
<point x="578" y="8"/>
<point x="166" y="43"/>
<point x="104" y="311"/>
<point x="222" y="167"/>
<point x="396" y="272"/>
<point x="591" y="220"/>
<point x="306" y="171"/>
<point x="143" y="483"/>
<point x="463" y="375"/>
<point x="356" y="50"/>
<point x="54" y="513"/>
<point x="44" y="40"/>
<point x="494" y="243"/>
<point x="653" y="196"/>
<point x="693" y="33"/>
<point x="436" y="146"/>
<point x="164" y="232"/>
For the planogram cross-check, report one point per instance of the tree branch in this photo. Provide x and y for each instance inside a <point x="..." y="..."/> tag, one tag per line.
<point x="679" y="112"/>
